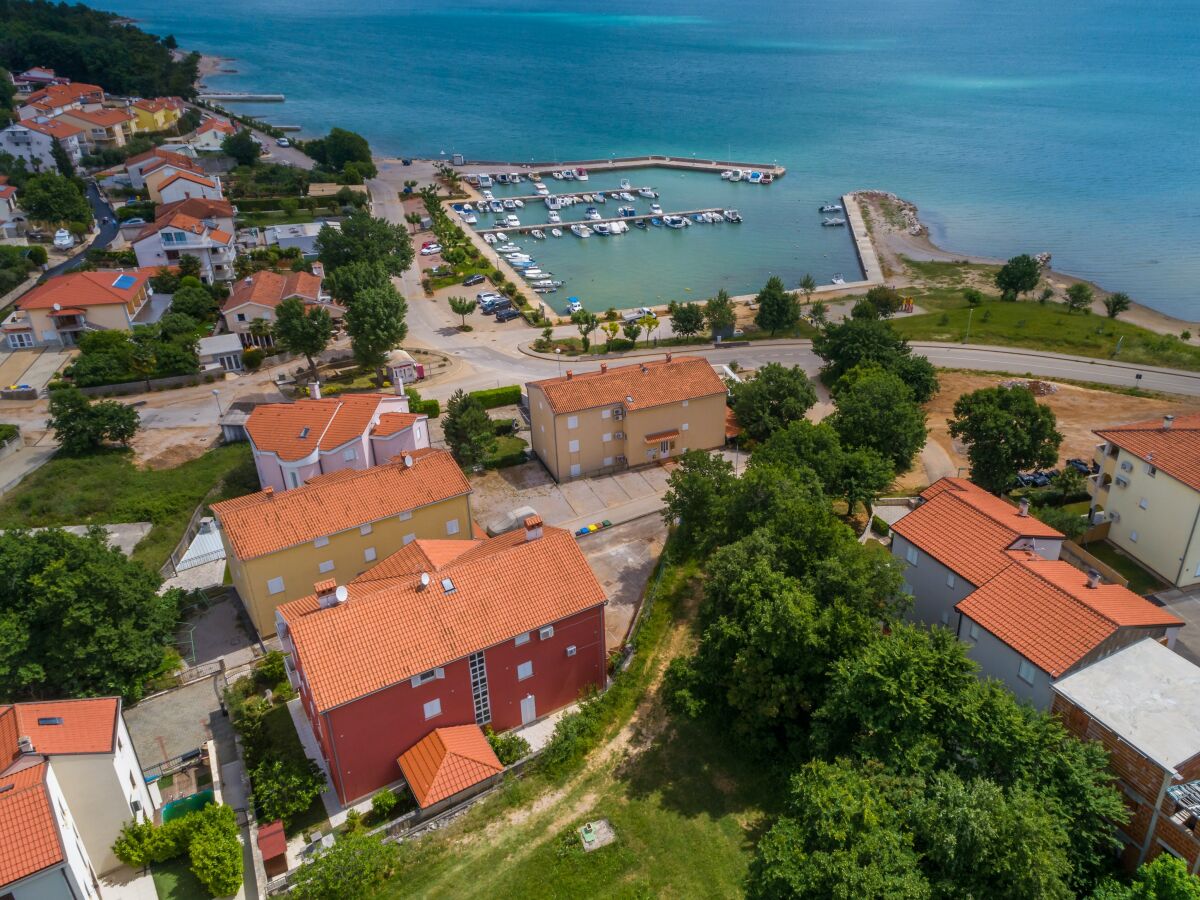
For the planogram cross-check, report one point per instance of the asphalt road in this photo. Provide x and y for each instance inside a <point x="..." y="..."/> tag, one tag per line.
<point x="100" y="210"/>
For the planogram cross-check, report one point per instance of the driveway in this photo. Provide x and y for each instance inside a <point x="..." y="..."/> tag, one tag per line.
<point x="32" y="367"/>
<point x="1185" y="604"/>
<point x="101" y="209"/>
<point x="173" y="723"/>
<point x="622" y="559"/>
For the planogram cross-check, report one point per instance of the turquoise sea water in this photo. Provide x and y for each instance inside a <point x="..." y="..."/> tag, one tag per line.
<point x="1023" y="126"/>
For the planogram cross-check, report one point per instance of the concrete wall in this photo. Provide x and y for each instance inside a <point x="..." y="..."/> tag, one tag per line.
<point x="998" y="660"/>
<point x="298" y="566"/>
<point x="929" y="583"/>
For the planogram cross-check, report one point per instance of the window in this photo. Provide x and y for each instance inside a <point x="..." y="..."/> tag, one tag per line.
<point x="544" y="634"/>
<point x="426" y="677"/>
<point x="366" y="529"/>
<point x="911" y="555"/>
<point x="973" y="631"/>
<point x="132" y="782"/>
<point x="241" y="317"/>
<point x="1151" y="470"/>
<point x="120" y="746"/>
<point x="572" y="421"/>
<point x="950" y="579"/>
<point x="1133" y="536"/>
<point x="524" y="670"/>
<point x="1025" y="671"/>
<point x="295" y="479"/>
<point x="349" y="454"/>
<point x="322" y="541"/>
<point x="275" y="586"/>
<point x="521" y="639"/>
<point x="606" y="437"/>
<point x="606" y="413"/>
<point x="452" y="526"/>
<point x="571" y="650"/>
<point x="433" y="708"/>
<point x="405" y="516"/>
<point x="326" y="566"/>
<point x="369" y="554"/>
<point x="409" y="538"/>
<point x="683" y="427"/>
<point x="573" y="447"/>
<point x="1143" y="503"/>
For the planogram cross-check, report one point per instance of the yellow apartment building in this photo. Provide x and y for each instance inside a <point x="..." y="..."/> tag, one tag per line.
<point x="279" y="544"/>
<point x="626" y="416"/>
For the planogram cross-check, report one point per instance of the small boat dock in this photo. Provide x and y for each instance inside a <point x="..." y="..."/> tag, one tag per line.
<point x="607" y="192"/>
<point x="543" y="226"/>
<point x="623" y="162"/>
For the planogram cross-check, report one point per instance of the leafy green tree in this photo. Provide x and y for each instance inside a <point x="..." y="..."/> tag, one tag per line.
<point x="189" y="266"/>
<point x="973" y="296"/>
<point x="340" y="147"/>
<point x="1019" y="275"/>
<point x="865" y="472"/>
<point x="885" y="299"/>
<point x="284" y="787"/>
<point x="242" y="147"/>
<point x="347" y="282"/>
<point x="79" y="619"/>
<point x="1079" y="297"/>
<point x="777" y="309"/>
<point x="82" y="427"/>
<point x="774" y="397"/>
<point x="194" y="300"/>
<point x="719" y="314"/>
<point x="364" y="238"/>
<point x="1115" y="304"/>
<point x="1006" y="431"/>
<point x="376" y="325"/>
<point x="808" y="284"/>
<point x="856" y="341"/>
<point x="585" y="322"/>
<point x="804" y="444"/>
<point x="649" y="323"/>
<point x="355" y="864"/>
<point x="62" y="161"/>
<point x="463" y="307"/>
<point x="610" y="329"/>
<point x="55" y="199"/>
<point x="631" y="330"/>
<point x="875" y="410"/>
<point x="698" y="492"/>
<point x="819" y="313"/>
<point x="303" y="329"/>
<point x="468" y="429"/>
<point x="1164" y="878"/>
<point x="1072" y="524"/>
<point x="687" y="319"/>
<point x="214" y="851"/>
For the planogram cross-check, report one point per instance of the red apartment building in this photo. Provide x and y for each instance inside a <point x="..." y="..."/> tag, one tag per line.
<point x="443" y="633"/>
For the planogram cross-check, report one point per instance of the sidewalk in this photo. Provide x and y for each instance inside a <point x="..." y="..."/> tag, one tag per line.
<point x="618" y="515"/>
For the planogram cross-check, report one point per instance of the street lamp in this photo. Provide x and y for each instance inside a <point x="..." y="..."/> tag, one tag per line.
<point x="217" y="397"/>
<point x="558" y="356"/>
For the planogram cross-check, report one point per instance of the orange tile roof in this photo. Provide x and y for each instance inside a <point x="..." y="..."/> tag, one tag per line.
<point x="154" y="104"/>
<point x="193" y="177"/>
<point x="669" y="435"/>
<point x="197" y="208"/>
<point x="29" y="840"/>
<point x="10" y="732"/>
<point x="1174" y="450"/>
<point x="88" y="726"/>
<point x="7" y="191"/>
<point x="56" y="128"/>
<point x="86" y="289"/>
<point x="182" y="164"/>
<point x="265" y="522"/>
<point x="184" y="222"/>
<point x="1045" y="611"/>
<point x="106" y="118"/>
<point x="325" y="424"/>
<point x="214" y="124"/>
<point x="393" y="422"/>
<point x="177" y="159"/>
<point x="390" y="629"/>
<point x="967" y="529"/>
<point x="446" y="761"/>
<point x="269" y="288"/>
<point x="649" y="384"/>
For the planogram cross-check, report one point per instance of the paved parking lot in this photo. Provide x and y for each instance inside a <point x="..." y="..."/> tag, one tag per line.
<point x="178" y="721"/>
<point x="622" y="558"/>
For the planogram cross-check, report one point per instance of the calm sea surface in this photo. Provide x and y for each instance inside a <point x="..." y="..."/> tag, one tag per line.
<point x="1019" y="126"/>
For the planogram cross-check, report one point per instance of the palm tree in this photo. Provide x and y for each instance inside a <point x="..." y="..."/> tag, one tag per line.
<point x="260" y="330"/>
<point x="463" y="307"/>
<point x="808" y="284"/>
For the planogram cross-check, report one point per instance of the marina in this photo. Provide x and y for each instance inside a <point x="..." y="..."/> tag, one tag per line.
<point x="619" y="163"/>
<point x="644" y="217"/>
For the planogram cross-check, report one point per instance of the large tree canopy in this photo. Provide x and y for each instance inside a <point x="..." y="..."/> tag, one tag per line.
<point x="775" y="396"/>
<point x="875" y="410"/>
<point x="872" y="341"/>
<point x="1006" y="430"/>
<point x="363" y="238"/>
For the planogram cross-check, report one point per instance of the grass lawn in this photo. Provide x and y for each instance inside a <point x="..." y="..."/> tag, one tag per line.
<point x="283" y="739"/>
<point x="107" y="487"/>
<point x="1140" y="581"/>
<point x="460" y="274"/>
<point x="506" y="445"/>
<point x="173" y="880"/>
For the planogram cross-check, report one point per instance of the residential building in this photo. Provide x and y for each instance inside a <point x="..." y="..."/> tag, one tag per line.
<point x="301" y="236"/>
<point x="336" y="526"/>
<point x="622" y="416"/>
<point x="138" y="166"/>
<point x="1148" y="491"/>
<point x="990" y="572"/>
<point x="103" y="129"/>
<point x="176" y="234"/>
<point x="220" y="353"/>
<point x="1143" y="705"/>
<point x="33" y="141"/>
<point x="167" y="186"/>
<point x="35" y="79"/>
<point x="295" y="442"/>
<point x="55" y="99"/>
<point x="494" y="632"/>
<point x="446" y="762"/>
<point x="69" y="779"/>
<point x="9" y="211"/>
<point x="257" y="296"/>
<point x="57" y="312"/>
<point x="156" y="114"/>
<point x="211" y="133"/>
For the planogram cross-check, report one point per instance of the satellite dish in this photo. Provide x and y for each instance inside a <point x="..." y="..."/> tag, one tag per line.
<point x="342" y="593"/>
<point x="57" y="307"/>
<point x="424" y="579"/>
<point x="408" y="461"/>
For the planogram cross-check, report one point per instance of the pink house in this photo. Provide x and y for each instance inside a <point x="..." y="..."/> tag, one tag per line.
<point x="294" y="442"/>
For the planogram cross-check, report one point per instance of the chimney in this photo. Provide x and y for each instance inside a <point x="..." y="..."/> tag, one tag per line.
<point x="270" y="492"/>
<point x="1093" y="581"/>
<point x="314" y="390"/>
<point x="1023" y="507"/>
<point x="328" y="593"/>
<point x="533" y="528"/>
<point x="570" y="374"/>
<point x="25" y="744"/>
<point x="1167" y="422"/>
<point x="603" y="367"/>
<point x="644" y="369"/>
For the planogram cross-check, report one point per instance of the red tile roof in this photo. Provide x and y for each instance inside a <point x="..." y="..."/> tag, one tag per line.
<point x="56" y="128"/>
<point x="215" y="124"/>
<point x="183" y="222"/>
<point x="86" y="289"/>
<point x="649" y="384"/>
<point x="390" y="628"/>
<point x="265" y="522"/>
<point x="197" y="208"/>
<point x="177" y="159"/>
<point x="294" y="430"/>
<point x="105" y="118"/>
<point x="446" y="761"/>
<point x="192" y="177"/>
<point x="967" y="529"/>
<point x="29" y="840"/>
<point x="394" y="422"/>
<point x="88" y="726"/>
<point x="1045" y="611"/>
<point x="1174" y="450"/>
<point x="154" y="104"/>
<point x="269" y="288"/>
<point x="178" y="162"/>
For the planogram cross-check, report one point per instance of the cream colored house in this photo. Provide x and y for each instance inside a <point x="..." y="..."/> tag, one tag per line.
<point x="257" y="296"/>
<point x="56" y="313"/>
<point x="169" y="184"/>
<point x="626" y="416"/>
<point x="337" y="526"/>
<point x="1148" y="490"/>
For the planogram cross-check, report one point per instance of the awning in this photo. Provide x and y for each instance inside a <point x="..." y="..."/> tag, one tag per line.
<point x="662" y="436"/>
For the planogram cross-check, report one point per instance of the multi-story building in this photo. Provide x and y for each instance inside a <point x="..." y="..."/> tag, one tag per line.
<point x="257" y="296"/>
<point x="279" y="543"/>
<point x="138" y="167"/>
<point x="990" y="571"/>
<point x="583" y="424"/>
<point x="295" y="442"/>
<point x="69" y="779"/>
<point x="56" y="313"/>
<point x="9" y="211"/>
<point x="165" y="184"/>
<point x="1143" y="705"/>
<point x="493" y="632"/>
<point x="33" y="140"/>
<point x="102" y="129"/>
<point x="175" y="234"/>
<point x="211" y="134"/>
<point x="56" y="99"/>
<point x="1148" y="491"/>
<point x="155" y="114"/>
<point x="35" y="79"/>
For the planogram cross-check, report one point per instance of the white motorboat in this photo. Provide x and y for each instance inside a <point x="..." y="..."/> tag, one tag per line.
<point x="618" y="227"/>
<point x="831" y="208"/>
<point x="545" y="290"/>
<point x="554" y="218"/>
<point x="517" y="257"/>
<point x="626" y="196"/>
<point x="732" y="215"/>
<point x="568" y="175"/>
<point x="535" y="272"/>
<point x="601" y="228"/>
<point x="648" y="194"/>
<point x="581" y="231"/>
<point x="470" y="218"/>
<point x="512" y="221"/>
<point x="587" y="198"/>
<point x="540" y="189"/>
<point x="838" y="279"/>
<point x="547" y="282"/>
<point x="592" y="214"/>
<point x="509" y="204"/>
<point x="574" y="306"/>
<point x="467" y="207"/>
<point x="552" y="202"/>
<point x="538" y="234"/>
<point x="490" y="238"/>
<point x="833" y="223"/>
<point x="519" y="204"/>
<point x="675" y="222"/>
<point x="625" y="185"/>
<point x="736" y="174"/>
<point x="485" y="181"/>
<point x="599" y="198"/>
<point x="655" y="209"/>
<point x="501" y="236"/>
<point x="555" y="232"/>
<point x="557" y="176"/>
<point x="514" y="177"/>
<point x="727" y="174"/>
<point x="581" y="174"/>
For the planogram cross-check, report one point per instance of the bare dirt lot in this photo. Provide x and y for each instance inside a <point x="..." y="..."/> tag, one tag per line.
<point x="1079" y="411"/>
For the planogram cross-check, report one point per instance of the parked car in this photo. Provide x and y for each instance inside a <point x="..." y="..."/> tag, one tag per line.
<point x="487" y="295"/>
<point x="506" y="315"/>
<point x="473" y="280"/>
<point x="283" y="142"/>
<point x="134" y="222"/>
<point x="632" y="315"/>
<point x="429" y="244"/>
<point x="431" y="250"/>
<point x="1081" y="466"/>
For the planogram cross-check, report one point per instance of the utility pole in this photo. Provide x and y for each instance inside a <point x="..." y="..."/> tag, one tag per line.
<point x="970" y="314"/>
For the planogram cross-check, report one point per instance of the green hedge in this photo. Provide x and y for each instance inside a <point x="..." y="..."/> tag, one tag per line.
<point x="431" y="408"/>
<point x="501" y="396"/>
<point x="879" y="526"/>
<point x="272" y="204"/>
<point x="8" y="431"/>
<point x="209" y="836"/>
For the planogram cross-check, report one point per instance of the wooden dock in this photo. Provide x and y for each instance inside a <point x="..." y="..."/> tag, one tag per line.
<point x="546" y="226"/>
<point x="607" y="192"/>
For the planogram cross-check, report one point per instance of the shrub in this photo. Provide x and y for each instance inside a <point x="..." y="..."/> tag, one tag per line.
<point x="354" y="821"/>
<point x="574" y="736"/>
<point x="271" y="669"/>
<point x="879" y="526"/>
<point x="382" y="804"/>
<point x="509" y="747"/>
<point x="215" y="851"/>
<point x="353" y="865"/>
<point x="500" y="396"/>
<point x="431" y="408"/>
<point x="37" y="255"/>
<point x="252" y="359"/>
<point x="284" y="788"/>
<point x="501" y="427"/>
<point x="621" y="344"/>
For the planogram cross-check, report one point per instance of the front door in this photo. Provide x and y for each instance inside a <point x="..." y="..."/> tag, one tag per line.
<point x="528" y="710"/>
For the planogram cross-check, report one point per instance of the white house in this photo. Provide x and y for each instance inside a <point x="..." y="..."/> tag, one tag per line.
<point x="211" y="134"/>
<point x="220" y="352"/>
<point x="302" y="236"/>
<point x="178" y="234"/>
<point x="259" y="295"/>
<point x="138" y="167"/>
<point x="71" y="779"/>
<point x="33" y="140"/>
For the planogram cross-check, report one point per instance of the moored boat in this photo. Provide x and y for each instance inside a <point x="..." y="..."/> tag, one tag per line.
<point x="833" y="223"/>
<point x="601" y="228"/>
<point x="831" y="208"/>
<point x="656" y="222"/>
<point x="732" y="215"/>
<point x="553" y="217"/>
<point x="736" y="175"/>
<point x="555" y="232"/>
<point x="626" y="211"/>
<point x="581" y="174"/>
<point x="647" y="193"/>
<point x="490" y="238"/>
<point x="581" y="231"/>
<point x="655" y="209"/>
<point x="727" y="174"/>
<point x="838" y="279"/>
<point x="625" y="185"/>
<point x="538" y="234"/>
